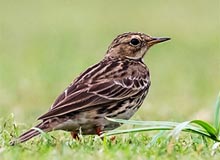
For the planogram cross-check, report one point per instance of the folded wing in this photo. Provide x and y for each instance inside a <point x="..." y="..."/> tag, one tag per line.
<point x="95" y="94"/>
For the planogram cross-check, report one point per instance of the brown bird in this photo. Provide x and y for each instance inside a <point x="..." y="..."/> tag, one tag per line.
<point x="115" y="87"/>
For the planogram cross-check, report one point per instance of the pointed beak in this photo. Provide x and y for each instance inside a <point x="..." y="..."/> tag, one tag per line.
<point x="155" y="40"/>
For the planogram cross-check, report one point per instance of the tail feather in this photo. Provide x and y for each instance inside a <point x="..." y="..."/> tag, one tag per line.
<point x="31" y="133"/>
<point x="27" y="135"/>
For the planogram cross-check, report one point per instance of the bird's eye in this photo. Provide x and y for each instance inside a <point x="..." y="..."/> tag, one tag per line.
<point x="134" y="41"/>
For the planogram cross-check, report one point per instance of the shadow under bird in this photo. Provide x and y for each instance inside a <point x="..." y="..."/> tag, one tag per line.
<point x="115" y="87"/>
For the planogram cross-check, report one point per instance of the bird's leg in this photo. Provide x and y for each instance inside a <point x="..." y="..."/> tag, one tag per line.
<point x="75" y="135"/>
<point x="98" y="131"/>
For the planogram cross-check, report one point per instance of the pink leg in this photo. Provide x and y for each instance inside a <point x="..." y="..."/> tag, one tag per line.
<point x="74" y="135"/>
<point x="98" y="131"/>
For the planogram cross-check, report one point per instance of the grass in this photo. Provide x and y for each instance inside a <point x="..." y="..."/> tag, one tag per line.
<point x="200" y="127"/>
<point x="45" y="44"/>
<point x="133" y="145"/>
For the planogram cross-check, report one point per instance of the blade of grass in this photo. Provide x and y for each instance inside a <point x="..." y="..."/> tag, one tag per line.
<point x="153" y="128"/>
<point x="143" y="123"/>
<point x="202" y="128"/>
<point x="44" y="134"/>
<point x="155" y="139"/>
<point x="154" y="123"/>
<point x="217" y="115"/>
<point x="176" y="131"/>
<point x="208" y="127"/>
<point x="110" y="133"/>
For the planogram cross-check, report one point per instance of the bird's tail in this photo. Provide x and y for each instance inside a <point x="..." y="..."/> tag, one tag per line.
<point x="38" y="129"/>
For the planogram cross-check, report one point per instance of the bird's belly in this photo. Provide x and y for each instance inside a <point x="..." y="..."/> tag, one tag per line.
<point x="76" y="123"/>
<point x="127" y="110"/>
<point x="88" y="121"/>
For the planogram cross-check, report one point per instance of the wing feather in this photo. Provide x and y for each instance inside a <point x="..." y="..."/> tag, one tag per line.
<point x="82" y="96"/>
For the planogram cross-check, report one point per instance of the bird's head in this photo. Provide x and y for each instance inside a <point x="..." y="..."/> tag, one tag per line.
<point x="132" y="45"/>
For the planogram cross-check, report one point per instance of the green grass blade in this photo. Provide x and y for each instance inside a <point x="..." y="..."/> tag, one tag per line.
<point x="44" y="134"/>
<point x="176" y="131"/>
<point x="208" y="127"/>
<point x="154" y="123"/>
<point x="143" y="123"/>
<point x="203" y="128"/>
<point x="154" y="128"/>
<point x="217" y="115"/>
<point x="155" y="138"/>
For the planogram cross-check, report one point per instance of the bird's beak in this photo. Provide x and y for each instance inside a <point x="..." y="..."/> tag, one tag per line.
<point x="155" y="40"/>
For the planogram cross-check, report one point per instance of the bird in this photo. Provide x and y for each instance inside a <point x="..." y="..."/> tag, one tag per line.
<point x="115" y="87"/>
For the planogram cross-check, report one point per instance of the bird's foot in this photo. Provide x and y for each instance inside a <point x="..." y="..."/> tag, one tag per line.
<point x="75" y="135"/>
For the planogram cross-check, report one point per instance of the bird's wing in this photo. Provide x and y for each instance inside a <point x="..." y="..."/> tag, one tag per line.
<point x="83" y="96"/>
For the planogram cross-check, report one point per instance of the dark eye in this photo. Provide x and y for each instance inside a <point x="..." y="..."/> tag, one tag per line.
<point x="134" y="41"/>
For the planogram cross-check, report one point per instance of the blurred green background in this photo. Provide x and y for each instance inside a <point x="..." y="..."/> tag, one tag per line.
<point x="45" y="44"/>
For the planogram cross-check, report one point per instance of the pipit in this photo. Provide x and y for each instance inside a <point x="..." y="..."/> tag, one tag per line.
<point x="115" y="87"/>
